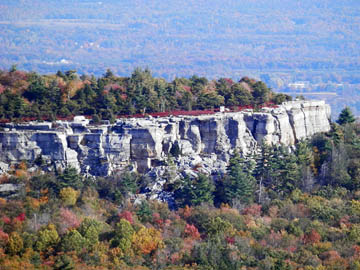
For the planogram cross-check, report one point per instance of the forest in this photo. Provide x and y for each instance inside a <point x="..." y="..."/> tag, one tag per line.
<point x="65" y="94"/>
<point x="278" y="209"/>
<point x="281" y="208"/>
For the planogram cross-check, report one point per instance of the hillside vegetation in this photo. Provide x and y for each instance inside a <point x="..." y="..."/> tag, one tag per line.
<point x="275" y="210"/>
<point x="28" y="94"/>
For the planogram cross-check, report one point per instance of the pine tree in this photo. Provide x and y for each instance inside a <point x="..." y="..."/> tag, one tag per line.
<point x="195" y="191"/>
<point x="239" y="183"/>
<point x="261" y="170"/>
<point x="285" y="173"/>
<point x="346" y="116"/>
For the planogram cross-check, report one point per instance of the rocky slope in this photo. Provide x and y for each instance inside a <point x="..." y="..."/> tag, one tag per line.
<point x="205" y="141"/>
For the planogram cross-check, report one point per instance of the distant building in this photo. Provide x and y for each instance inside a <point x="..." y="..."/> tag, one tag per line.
<point x="299" y="85"/>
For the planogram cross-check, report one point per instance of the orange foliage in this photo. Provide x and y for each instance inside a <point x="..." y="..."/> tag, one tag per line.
<point x="21" y="173"/>
<point x="4" y="238"/>
<point x="332" y="260"/>
<point x="147" y="240"/>
<point x="252" y="210"/>
<point x="186" y="211"/>
<point x="2" y="202"/>
<point x="11" y="263"/>
<point x="312" y="237"/>
<point x="4" y="179"/>
<point x="22" y="165"/>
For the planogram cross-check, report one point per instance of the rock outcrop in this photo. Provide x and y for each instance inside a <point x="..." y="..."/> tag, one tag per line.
<point x="205" y="141"/>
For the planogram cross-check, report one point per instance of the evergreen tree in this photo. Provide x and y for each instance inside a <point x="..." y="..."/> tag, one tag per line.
<point x="239" y="183"/>
<point x="70" y="178"/>
<point x="346" y="116"/>
<point x="194" y="191"/>
<point x="284" y="172"/>
<point x="262" y="170"/>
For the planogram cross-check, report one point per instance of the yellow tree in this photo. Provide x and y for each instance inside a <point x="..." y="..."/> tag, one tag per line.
<point x="15" y="243"/>
<point x="147" y="240"/>
<point x="69" y="196"/>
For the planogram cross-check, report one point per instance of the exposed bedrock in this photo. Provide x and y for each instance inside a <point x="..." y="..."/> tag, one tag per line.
<point x="205" y="141"/>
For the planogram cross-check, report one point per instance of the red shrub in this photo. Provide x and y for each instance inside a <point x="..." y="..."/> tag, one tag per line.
<point x="127" y="215"/>
<point x="191" y="231"/>
<point x="312" y="237"/>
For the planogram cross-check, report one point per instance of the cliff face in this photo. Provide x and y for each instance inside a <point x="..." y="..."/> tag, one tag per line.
<point x="205" y="141"/>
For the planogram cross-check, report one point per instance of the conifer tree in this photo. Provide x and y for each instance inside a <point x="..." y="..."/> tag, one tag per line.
<point x="194" y="191"/>
<point x="346" y="116"/>
<point x="239" y="183"/>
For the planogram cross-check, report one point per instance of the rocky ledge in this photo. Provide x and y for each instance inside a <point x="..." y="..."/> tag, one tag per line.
<point x="205" y="141"/>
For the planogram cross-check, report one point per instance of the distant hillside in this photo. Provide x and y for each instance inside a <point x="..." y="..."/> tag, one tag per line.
<point x="212" y="38"/>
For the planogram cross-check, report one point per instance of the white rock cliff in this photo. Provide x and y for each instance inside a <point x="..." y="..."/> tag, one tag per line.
<point x="206" y="141"/>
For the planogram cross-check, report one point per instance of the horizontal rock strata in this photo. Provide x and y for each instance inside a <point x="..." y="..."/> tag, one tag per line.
<point x="206" y="140"/>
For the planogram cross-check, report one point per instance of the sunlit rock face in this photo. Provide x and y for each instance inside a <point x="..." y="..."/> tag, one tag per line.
<point x="206" y="140"/>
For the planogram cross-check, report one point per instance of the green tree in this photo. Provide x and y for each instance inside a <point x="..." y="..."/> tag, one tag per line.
<point x="260" y="93"/>
<point x="70" y="178"/>
<point x="90" y="230"/>
<point x="64" y="262"/>
<point x="194" y="191"/>
<point x="123" y="235"/>
<point x="241" y="95"/>
<point x="284" y="172"/>
<point x="239" y="183"/>
<point x="47" y="238"/>
<point x="346" y="116"/>
<point x="72" y="241"/>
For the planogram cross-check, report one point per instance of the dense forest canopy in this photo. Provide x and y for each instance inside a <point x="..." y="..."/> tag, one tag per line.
<point x="28" y="94"/>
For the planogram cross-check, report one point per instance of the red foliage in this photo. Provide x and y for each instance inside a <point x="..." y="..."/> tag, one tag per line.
<point x="291" y="249"/>
<point x="252" y="210"/>
<point x="157" y="219"/>
<point x="167" y="222"/>
<point x="127" y="215"/>
<point x="229" y="81"/>
<point x="186" y="88"/>
<point x="345" y="221"/>
<point x="6" y="220"/>
<point x="68" y="220"/>
<point x="4" y="237"/>
<point x="112" y="86"/>
<point x="21" y="217"/>
<point x="356" y="251"/>
<point x="230" y="240"/>
<point x="274" y="239"/>
<point x="191" y="231"/>
<point x="312" y="237"/>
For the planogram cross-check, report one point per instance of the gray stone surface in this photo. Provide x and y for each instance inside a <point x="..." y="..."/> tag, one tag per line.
<point x="205" y="141"/>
